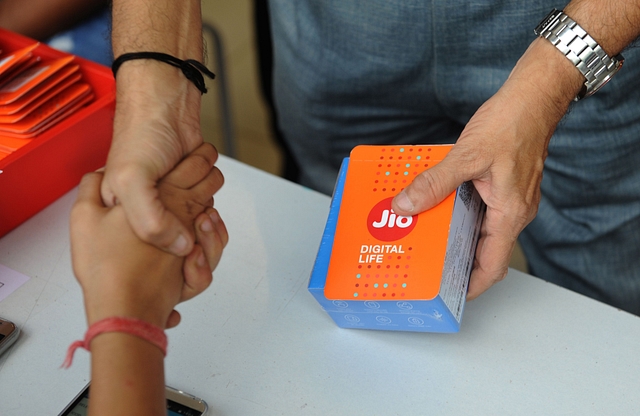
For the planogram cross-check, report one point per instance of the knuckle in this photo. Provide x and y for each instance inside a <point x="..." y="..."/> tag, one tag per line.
<point x="206" y="201"/>
<point x="193" y="208"/>
<point x="151" y="229"/>
<point x="201" y="162"/>
<point x="523" y="213"/>
<point x="221" y="239"/>
<point x="204" y="156"/>
<point x="215" y="180"/>
<point x="207" y="280"/>
<point x="218" y="175"/>
<point x="210" y="152"/>
<point x="120" y="179"/>
<point x="500" y="275"/>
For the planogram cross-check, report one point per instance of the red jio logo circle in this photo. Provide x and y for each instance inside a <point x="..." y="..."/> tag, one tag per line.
<point x="386" y="225"/>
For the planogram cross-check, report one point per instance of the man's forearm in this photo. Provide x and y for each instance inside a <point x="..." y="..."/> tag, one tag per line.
<point x="149" y="90"/>
<point x="613" y="24"/>
<point x="170" y="26"/>
<point x="157" y="117"/>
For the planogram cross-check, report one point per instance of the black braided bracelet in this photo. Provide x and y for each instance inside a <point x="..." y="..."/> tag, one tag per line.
<point x="191" y="69"/>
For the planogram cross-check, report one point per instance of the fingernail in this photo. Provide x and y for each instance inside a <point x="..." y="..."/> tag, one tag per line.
<point x="206" y="226"/>
<point x="214" y="217"/>
<point x="403" y="202"/>
<point x="179" y="245"/>
<point x="200" y="260"/>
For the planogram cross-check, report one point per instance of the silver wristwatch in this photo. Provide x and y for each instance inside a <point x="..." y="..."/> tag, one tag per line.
<point x="580" y="48"/>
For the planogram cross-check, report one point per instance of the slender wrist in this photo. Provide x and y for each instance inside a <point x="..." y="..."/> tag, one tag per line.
<point x="109" y="332"/>
<point x="127" y="305"/>
<point x="129" y="368"/>
<point x="98" y="313"/>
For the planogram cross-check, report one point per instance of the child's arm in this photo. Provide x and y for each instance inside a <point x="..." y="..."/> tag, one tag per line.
<point x="122" y="276"/>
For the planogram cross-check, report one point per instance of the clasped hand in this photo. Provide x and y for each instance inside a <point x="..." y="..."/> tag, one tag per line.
<point x="123" y="276"/>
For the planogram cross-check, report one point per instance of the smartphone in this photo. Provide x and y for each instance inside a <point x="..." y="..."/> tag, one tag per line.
<point x="8" y="334"/>
<point x="179" y="403"/>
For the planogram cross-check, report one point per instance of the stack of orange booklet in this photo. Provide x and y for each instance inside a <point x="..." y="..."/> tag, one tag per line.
<point x="35" y="94"/>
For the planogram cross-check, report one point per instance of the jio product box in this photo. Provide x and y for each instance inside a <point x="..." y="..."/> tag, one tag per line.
<point x="379" y="270"/>
<point x="41" y="168"/>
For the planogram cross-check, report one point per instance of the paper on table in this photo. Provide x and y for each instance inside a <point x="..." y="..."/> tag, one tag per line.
<point x="10" y="280"/>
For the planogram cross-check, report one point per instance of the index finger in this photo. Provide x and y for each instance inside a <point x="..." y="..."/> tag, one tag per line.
<point x="193" y="168"/>
<point x="493" y="253"/>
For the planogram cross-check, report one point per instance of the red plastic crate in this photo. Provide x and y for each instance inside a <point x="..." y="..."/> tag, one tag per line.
<point x="37" y="174"/>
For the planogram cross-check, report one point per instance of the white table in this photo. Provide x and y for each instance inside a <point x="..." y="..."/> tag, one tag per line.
<point x="257" y="343"/>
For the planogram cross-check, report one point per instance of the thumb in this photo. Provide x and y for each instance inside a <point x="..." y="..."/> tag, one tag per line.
<point x="88" y="190"/>
<point x="430" y="187"/>
<point x="147" y="216"/>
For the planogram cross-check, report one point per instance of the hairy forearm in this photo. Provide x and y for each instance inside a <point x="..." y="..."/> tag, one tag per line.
<point x="41" y="19"/>
<point x="152" y="92"/>
<point x="170" y="26"/>
<point x="612" y="23"/>
<point x="550" y="77"/>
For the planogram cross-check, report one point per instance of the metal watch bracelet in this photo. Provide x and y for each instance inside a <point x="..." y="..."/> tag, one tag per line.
<point x="581" y="49"/>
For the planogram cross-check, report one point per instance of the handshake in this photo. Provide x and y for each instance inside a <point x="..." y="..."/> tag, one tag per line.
<point x="123" y="276"/>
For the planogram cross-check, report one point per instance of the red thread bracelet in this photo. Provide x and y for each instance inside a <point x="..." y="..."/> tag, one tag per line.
<point x="132" y="326"/>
